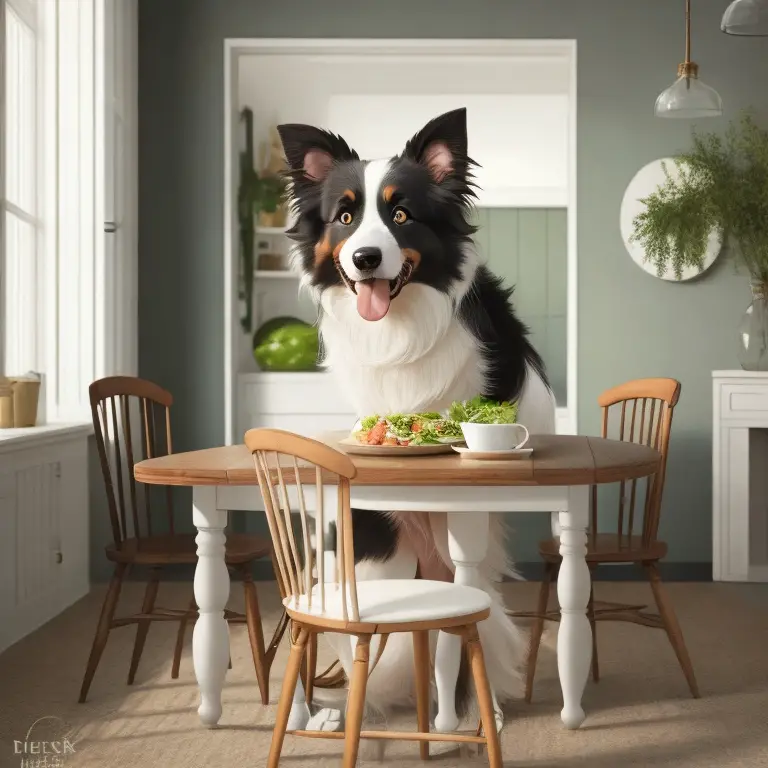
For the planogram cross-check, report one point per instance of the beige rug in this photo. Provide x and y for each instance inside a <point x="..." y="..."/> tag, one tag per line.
<point x="639" y="714"/>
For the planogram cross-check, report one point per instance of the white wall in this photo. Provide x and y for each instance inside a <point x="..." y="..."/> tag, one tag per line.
<point x="517" y="110"/>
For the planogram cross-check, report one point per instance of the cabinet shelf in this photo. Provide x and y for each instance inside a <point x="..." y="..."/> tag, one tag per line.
<point x="270" y="230"/>
<point x="275" y="274"/>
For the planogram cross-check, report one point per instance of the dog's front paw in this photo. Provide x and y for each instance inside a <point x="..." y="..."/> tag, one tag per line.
<point x="326" y="719"/>
<point x="499" y="717"/>
<point x="299" y="716"/>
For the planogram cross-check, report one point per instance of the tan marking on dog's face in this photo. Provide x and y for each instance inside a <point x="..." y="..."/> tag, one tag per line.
<point x="409" y="254"/>
<point x="387" y="192"/>
<point x="349" y="194"/>
<point x="323" y="250"/>
<point x="339" y="246"/>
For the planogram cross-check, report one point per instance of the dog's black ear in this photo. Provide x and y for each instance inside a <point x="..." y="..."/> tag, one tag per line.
<point x="441" y="145"/>
<point x="313" y="150"/>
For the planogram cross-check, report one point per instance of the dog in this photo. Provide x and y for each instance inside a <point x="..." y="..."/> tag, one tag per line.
<point x="411" y="320"/>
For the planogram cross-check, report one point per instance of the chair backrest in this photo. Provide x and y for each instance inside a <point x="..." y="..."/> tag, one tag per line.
<point x="643" y="411"/>
<point x="276" y="456"/>
<point x="132" y="422"/>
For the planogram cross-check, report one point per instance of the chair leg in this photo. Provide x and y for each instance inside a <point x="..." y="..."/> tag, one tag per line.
<point x="180" y="641"/>
<point x="356" y="701"/>
<point x="292" y="670"/>
<point x="593" y="624"/>
<point x="671" y="625"/>
<point x="142" y="628"/>
<point x="537" y="630"/>
<point x="255" y="633"/>
<point x="102" y="629"/>
<point x="277" y="637"/>
<point x="484" y="698"/>
<point x="310" y="668"/>
<point x="423" y="669"/>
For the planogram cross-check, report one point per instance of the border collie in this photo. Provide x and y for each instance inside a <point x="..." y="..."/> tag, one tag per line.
<point x="411" y="320"/>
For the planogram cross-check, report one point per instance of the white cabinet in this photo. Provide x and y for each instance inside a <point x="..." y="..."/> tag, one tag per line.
<point x="739" y="477"/>
<point x="307" y="403"/>
<point x="44" y="532"/>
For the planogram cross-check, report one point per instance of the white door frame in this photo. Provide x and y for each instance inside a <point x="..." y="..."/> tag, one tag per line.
<point x="234" y="48"/>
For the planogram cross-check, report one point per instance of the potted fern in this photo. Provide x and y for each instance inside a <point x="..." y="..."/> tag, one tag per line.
<point x="259" y="199"/>
<point x="268" y="196"/>
<point x="722" y="184"/>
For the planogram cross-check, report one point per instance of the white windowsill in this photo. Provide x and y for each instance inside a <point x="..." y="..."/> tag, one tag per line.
<point x="11" y="439"/>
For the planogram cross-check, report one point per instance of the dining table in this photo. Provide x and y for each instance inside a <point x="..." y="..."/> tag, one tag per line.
<point x="554" y="479"/>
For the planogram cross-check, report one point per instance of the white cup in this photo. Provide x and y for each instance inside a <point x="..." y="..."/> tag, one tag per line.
<point x="494" y="437"/>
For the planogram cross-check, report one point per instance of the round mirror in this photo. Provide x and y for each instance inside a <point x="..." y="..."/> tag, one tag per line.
<point x="646" y="181"/>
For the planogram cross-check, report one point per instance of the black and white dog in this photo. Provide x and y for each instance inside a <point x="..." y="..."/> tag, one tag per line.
<point x="411" y="320"/>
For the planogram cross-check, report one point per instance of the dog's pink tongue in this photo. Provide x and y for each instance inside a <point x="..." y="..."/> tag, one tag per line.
<point x="372" y="299"/>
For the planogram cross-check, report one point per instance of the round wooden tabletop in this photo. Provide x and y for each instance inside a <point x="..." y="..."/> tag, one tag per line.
<point x="555" y="460"/>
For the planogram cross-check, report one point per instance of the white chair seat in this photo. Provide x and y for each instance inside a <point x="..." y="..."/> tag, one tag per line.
<point x="395" y="601"/>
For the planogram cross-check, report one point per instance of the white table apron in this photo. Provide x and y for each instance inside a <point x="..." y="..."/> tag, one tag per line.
<point x="468" y="508"/>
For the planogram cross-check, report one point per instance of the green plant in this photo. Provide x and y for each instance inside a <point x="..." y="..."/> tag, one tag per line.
<point x="723" y="184"/>
<point x="255" y="193"/>
<point x="268" y="193"/>
<point x="245" y="222"/>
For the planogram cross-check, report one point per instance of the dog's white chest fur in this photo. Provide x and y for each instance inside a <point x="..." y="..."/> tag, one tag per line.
<point x="418" y="358"/>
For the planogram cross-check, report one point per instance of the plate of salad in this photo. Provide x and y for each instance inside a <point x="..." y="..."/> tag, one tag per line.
<point x="424" y="433"/>
<point x="398" y="433"/>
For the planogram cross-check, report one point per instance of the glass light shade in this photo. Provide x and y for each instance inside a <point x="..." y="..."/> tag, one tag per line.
<point x="746" y="17"/>
<point x="689" y="97"/>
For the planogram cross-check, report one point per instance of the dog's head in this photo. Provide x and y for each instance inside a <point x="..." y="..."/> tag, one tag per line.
<point x="372" y="228"/>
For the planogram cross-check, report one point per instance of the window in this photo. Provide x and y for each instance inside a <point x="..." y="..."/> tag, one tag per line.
<point x="20" y="188"/>
<point x="67" y="297"/>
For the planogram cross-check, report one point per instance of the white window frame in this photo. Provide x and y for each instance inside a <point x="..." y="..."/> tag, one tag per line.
<point x="26" y="11"/>
<point x="86" y="303"/>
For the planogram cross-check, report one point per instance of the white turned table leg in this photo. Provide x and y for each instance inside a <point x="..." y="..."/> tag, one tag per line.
<point x="210" y="641"/>
<point x="574" y="639"/>
<point x="468" y="546"/>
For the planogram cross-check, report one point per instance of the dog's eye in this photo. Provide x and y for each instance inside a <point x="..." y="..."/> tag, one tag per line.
<point x="345" y="217"/>
<point x="400" y="216"/>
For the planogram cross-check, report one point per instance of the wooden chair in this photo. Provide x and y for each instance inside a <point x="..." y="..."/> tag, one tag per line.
<point x="131" y="419"/>
<point x="646" y="407"/>
<point x="318" y="602"/>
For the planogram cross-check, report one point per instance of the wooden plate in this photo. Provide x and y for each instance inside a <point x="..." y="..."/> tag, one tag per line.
<point x="352" y="446"/>
<point x="511" y="455"/>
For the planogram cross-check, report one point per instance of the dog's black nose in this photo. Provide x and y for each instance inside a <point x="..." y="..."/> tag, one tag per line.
<point x="366" y="259"/>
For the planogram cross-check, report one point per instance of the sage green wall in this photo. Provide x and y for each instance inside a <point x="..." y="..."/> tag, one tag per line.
<point x="629" y="324"/>
<point x="527" y="247"/>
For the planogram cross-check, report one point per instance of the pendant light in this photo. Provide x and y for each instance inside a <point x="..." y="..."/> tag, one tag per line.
<point x="688" y="96"/>
<point x="746" y="17"/>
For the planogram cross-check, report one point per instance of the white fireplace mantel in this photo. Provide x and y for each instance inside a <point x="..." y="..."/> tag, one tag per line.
<point x="740" y="476"/>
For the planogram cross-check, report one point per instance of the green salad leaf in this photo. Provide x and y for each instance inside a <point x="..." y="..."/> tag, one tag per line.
<point x="369" y="422"/>
<point x="481" y="410"/>
<point x="430" y="428"/>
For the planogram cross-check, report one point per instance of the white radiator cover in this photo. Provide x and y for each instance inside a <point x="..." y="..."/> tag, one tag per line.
<point x="44" y="530"/>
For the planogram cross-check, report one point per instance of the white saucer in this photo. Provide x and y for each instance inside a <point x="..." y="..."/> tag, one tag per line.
<point x="514" y="453"/>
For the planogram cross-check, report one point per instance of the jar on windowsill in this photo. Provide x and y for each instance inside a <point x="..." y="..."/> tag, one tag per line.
<point x="6" y="403"/>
